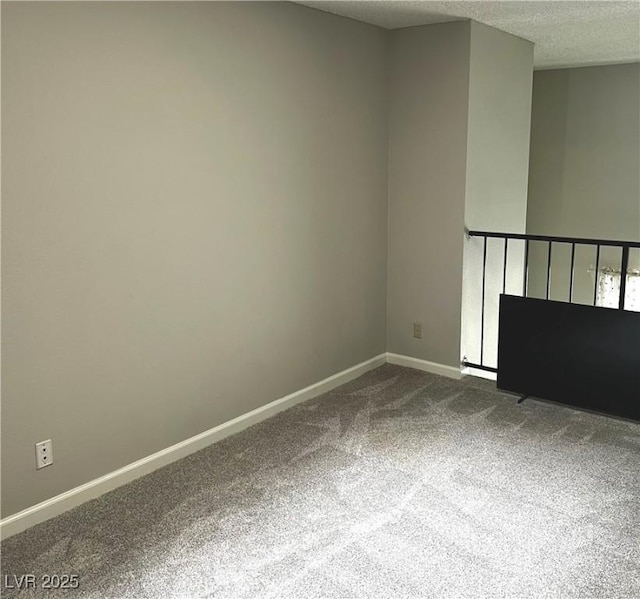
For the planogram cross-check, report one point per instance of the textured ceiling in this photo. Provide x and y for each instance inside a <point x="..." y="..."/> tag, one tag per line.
<point x="565" y="33"/>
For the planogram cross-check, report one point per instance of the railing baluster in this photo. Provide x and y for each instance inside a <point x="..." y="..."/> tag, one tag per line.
<point x="573" y="260"/>
<point x="548" y="269"/>
<point x="484" y="274"/>
<point x="624" y="267"/>
<point x="595" y="285"/>
<point x="504" y="266"/>
<point x="526" y="268"/>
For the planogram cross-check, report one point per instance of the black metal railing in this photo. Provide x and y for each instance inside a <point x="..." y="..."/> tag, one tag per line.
<point x="624" y="246"/>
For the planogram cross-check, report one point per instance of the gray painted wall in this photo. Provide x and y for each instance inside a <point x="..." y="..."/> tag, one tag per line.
<point x="458" y="156"/>
<point x="583" y="176"/>
<point x="194" y="222"/>
<point x="501" y="72"/>
<point x="429" y="90"/>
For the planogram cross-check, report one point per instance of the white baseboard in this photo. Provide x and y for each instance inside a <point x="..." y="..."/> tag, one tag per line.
<point x="74" y="497"/>
<point x="425" y="365"/>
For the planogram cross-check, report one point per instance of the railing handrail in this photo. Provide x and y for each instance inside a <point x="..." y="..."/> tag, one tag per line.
<point x="555" y="239"/>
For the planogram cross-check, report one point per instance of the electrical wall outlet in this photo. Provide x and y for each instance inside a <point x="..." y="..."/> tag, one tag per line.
<point x="417" y="330"/>
<point x="44" y="454"/>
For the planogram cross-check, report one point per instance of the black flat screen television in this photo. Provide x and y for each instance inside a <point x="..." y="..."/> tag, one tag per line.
<point x="584" y="356"/>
